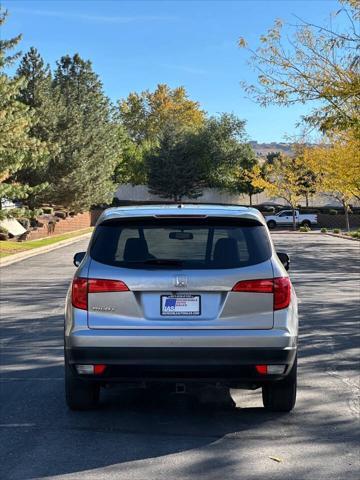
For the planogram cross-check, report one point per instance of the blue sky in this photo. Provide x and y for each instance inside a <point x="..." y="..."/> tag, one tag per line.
<point x="134" y="45"/>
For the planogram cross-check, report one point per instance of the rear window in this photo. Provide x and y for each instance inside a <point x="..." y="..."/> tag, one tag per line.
<point x="174" y="243"/>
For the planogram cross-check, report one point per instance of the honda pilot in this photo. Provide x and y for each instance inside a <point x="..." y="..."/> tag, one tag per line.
<point x="181" y="294"/>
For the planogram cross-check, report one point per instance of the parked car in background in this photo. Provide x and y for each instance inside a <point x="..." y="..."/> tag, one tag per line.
<point x="269" y="207"/>
<point x="7" y="204"/>
<point x="285" y="218"/>
<point x="181" y="294"/>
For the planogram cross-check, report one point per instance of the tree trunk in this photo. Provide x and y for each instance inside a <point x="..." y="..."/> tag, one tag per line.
<point x="294" y="218"/>
<point x="306" y="199"/>
<point x="346" y="211"/>
<point x="250" y="199"/>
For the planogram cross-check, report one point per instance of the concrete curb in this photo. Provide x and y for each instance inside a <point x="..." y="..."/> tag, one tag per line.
<point x="292" y="232"/>
<point x="314" y="232"/>
<point x="345" y="237"/>
<point x="17" y="257"/>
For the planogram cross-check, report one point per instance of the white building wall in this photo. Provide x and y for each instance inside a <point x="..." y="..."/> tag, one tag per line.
<point x="140" y="193"/>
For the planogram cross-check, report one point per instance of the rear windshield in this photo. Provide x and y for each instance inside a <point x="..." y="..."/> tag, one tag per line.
<point x="174" y="243"/>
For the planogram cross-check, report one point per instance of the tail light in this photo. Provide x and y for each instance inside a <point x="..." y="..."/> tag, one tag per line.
<point x="97" y="285"/>
<point x="282" y="292"/>
<point x="79" y="293"/>
<point x="81" y="287"/>
<point x="280" y="287"/>
<point x="254" y="286"/>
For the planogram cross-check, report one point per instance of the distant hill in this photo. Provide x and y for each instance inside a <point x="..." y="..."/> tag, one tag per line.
<point x="262" y="149"/>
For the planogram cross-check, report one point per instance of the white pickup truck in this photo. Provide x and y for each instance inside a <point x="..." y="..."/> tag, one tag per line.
<point x="285" y="218"/>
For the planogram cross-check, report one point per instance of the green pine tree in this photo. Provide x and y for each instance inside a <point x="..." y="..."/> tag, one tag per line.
<point x="188" y="161"/>
<point x="87" y="135"/>
<point x="18" y="149"/>
<point x="36" y="93"/>
<point x="177" y="168"/>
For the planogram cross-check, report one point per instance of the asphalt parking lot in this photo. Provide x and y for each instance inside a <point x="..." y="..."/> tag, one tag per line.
<point x="139" y="434"/>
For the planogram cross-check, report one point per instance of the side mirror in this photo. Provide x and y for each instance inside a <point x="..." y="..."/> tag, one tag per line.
<point x="284" y="259"/>
<point x="78" y="258"/>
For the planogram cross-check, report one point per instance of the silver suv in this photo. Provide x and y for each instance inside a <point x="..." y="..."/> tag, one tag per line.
<point x="187" y="293"/>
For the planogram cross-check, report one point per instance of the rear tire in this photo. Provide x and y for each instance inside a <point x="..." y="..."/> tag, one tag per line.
<point x="306" y="223"/>
<point x="271" y="224"/>
<point x="80" y="394"/>
<point x="281" y="396"/>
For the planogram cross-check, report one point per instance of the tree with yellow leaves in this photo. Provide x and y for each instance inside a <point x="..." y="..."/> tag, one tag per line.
<point x="147" y="115"/>
<point x="337" y="167"/>
<point x="282" y="179"/>
<point x="307" y="63"/>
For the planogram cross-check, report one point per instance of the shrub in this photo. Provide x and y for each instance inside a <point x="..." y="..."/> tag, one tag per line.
<point x="60" y="214"/>
<point x="24" y="236"/>
<point x="25" y="222"/>
<point x="48" y="210"/>
<point x="4" y="234"/>
<point x="304" y="228"/>
<point x="35" y="213"/>
<point x="336" y="230"/>
<point x="332" y="212"/>
<point x="323" y="230"/>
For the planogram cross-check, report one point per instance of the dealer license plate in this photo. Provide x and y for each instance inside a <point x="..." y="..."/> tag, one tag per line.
<point x="189" y="305"/>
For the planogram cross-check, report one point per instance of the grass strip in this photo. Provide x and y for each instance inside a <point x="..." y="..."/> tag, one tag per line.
<point x="10" y="247"/>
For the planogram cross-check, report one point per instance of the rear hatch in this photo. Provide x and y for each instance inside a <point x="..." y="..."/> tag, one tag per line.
<point x="180" y="273"/>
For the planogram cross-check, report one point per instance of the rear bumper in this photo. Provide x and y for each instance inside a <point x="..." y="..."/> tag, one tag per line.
<point x="83" y="337"/>
<point x="232" y="366"/>
<point x="224" y="356"/>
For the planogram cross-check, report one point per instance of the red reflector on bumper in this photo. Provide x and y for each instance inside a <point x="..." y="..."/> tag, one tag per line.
<point x="99" y="369"/>
<point x="262" y="369"/>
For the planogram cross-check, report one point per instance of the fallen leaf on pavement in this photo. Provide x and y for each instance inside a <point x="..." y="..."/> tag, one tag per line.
<point x="276" y="459"/>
